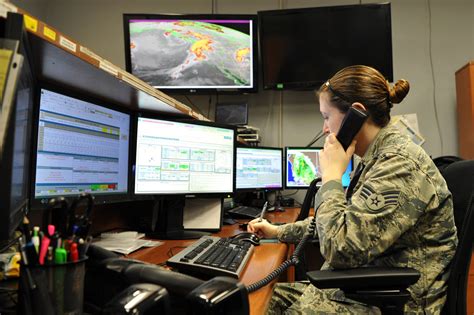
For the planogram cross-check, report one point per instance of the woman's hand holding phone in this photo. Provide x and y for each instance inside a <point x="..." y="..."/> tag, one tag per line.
<point x="333" y="159"/>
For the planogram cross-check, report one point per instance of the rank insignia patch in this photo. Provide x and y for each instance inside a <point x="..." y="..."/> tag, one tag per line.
<point x="377" y="200"/>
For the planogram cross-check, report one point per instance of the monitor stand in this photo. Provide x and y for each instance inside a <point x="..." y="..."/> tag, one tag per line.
<point x="167" y="220"/>
<point x="277" y="205"/>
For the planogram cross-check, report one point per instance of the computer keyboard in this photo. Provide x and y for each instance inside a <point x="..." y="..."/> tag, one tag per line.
<point x="213" y="256"/>
<point x="245" y="212"/>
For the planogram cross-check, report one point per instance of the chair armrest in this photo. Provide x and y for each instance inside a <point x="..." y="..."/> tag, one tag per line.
<point x="373" y="278"/>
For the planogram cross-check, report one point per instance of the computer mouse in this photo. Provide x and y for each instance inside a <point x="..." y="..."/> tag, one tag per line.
<point x="248" y="237"/>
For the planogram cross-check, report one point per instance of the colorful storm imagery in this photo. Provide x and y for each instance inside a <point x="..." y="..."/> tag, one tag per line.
<point x="185" y="53"/>
<point x="303" y="169"/>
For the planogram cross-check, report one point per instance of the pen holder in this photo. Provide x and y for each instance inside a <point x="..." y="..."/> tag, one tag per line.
<point x="52" y="289"/>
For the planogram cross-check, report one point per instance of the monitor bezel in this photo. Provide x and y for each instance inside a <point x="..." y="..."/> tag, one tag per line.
<point x="311" y="85"/>
<point x="250" y="189"/>
<point x="186" y="121"/>
<point x="11" y="215"/>
<point x="188" y="91"/>
<point x="103" y="198"/>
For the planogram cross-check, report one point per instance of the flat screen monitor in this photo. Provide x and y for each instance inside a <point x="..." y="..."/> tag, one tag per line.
<point x="302" y="48"/>
<point x="259" y="168"/>
<point x="16" y="108"/>
<point x="183" y="158"/>
<point x="232" y="113"/>
<point x="81" y="147"/>
<point x="302" y="166"/>
<point x="193" y="53"/>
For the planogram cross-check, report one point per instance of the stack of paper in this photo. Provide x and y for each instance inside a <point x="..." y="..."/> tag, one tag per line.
<point x="124" y="242"/>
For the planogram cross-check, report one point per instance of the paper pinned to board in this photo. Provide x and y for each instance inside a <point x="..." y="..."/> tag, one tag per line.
<point x="5" y="59"/>
<point x="408" y="125"/>
<point x="203" y="214"/>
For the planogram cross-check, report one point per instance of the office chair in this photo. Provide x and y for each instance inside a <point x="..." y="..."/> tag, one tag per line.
<point x="459" y="177"/>
<point x="308" y="253"/>
<point x="308" y="199"/>
<point x="386" y="287"/>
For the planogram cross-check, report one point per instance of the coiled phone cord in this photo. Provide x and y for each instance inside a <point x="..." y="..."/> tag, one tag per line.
<point x="293" y="261"/>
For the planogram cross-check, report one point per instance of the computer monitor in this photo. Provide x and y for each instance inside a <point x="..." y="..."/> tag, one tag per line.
<point x="193" y="53"/>
<point x="81" y="147"/>
<point x="184" y="158"/>
<point x="302" y="166"/>
<point x="176" y="160"/>
<point x="16" y="119"/>
<point x="301" y="48"/>
<point x="232" y="113"/>
<point x="259" y="168"/>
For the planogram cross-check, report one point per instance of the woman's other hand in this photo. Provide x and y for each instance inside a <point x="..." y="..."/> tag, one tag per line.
<point x="262" y="228"/>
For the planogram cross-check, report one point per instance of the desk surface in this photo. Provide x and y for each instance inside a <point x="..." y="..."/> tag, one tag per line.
<point x="265" y="258"/>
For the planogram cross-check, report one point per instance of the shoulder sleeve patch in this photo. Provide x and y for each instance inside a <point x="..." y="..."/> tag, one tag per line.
<point x="376" y="200"/>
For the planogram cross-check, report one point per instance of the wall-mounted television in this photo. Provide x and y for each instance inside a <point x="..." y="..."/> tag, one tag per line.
<point x="302" y="48"/>
<point x="201" y="53"/>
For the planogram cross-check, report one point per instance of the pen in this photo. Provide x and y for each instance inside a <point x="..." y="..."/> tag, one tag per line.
<point x="26" y="229"/>
<point x="263" y="212"/>
<point x="81" y="246"/>
<point x="29" y="278"/>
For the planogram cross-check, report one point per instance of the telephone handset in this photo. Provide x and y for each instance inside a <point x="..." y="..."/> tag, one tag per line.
<point x="350" y="126"/>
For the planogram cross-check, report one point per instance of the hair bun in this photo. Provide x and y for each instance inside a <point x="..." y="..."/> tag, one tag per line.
<point x="399" y="90"/>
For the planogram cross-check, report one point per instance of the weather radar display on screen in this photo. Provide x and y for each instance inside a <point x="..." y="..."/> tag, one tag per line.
<point x="176" y="53"/>
<point x="302" y="166"/>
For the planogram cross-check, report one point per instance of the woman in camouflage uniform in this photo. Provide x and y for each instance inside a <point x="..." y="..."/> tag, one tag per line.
<point x="399" y="213"/>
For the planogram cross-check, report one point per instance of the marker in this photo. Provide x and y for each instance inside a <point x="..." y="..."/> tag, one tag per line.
<point x="35" y="238"/>
<point x="60" y="255"/>
<point x="263" y="212"/>
<point x="43" y="249"/>
<point x="74" y="254"/>
<point x="51" y="230"/>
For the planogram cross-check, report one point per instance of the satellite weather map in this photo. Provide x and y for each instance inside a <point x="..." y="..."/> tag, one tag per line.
<point x="189" y="53"/>
<point x="302" y="167"/>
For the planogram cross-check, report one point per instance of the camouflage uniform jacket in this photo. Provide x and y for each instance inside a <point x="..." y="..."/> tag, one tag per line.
<point x="400" y="215"/>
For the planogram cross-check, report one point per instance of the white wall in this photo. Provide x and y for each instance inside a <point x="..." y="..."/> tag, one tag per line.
<point x="431" y="40"/>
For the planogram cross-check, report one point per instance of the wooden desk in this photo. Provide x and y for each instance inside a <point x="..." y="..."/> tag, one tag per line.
<point x="265" y="258"/>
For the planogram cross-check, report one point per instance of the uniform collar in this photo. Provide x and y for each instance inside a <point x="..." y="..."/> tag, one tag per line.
<point x="373" y="148"/>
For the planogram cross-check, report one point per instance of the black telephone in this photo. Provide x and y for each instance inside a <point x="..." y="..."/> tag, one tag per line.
<point x="350" y="126"/>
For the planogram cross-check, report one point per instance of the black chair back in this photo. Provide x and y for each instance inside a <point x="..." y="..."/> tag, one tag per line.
<point x="308" y="199"/>
<point x="459" y="176"/>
